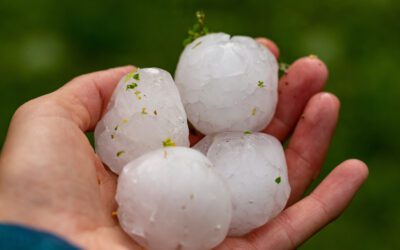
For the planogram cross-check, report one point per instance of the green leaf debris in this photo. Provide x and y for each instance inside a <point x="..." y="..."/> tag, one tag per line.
<point x="168" y="143"/>
<point x="138" y="94"/>
<point x="129" y="76"/>
<point x="283" y="68"/>
<point x="131" y="86"/>
<point x="120" y="153"/>
<point x="199" y="29"/>
<point x="254" y="111"/>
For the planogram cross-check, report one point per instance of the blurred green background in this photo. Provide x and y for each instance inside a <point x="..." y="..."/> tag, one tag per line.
<point x="44" y="43"/>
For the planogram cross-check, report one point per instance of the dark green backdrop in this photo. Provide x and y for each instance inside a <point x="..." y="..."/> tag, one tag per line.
<point x="44" y="43"/>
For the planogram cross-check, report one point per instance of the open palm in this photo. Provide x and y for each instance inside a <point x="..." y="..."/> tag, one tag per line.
<point x="51" y="178"/>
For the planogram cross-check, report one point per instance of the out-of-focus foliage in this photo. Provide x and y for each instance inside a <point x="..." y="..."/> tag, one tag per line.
<point x="44" y="43"/>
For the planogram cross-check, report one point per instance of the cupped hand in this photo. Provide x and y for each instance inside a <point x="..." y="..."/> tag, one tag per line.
<point x="51" y="178"/>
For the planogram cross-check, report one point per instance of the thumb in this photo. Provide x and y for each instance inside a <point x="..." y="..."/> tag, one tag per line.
<point x="82" y="100"/>
<point x="86" y="96"/>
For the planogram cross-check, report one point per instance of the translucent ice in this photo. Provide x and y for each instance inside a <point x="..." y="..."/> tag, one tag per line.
<point x="227" y="83"/>
<point x="145" y="110"/>
<point x="173" y="198"/>
<point x="254" y="166"/>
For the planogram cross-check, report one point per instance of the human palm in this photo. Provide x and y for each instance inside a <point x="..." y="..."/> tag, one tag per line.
<point x="51" y="178"/>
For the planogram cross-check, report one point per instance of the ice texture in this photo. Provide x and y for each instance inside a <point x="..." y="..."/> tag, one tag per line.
<point x="227" y="83"/>
<point x="173" y="198"/>
<point x="145" y="110"/>
<point x="255" y="168"/>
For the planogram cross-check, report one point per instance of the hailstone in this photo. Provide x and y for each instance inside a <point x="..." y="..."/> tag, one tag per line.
<point x="145" y="112"/>
<point x="254" y="166"/>
<point x="227" y="83"/>
<point x="173" y="198"/>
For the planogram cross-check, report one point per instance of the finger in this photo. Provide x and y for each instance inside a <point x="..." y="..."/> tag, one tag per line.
<point x="309" y="144"/>
<point x="305" y="77"/>
<point x="270" y="45"/>
<point x="107" y="184"/>
<point x="300" y="221"/>
<point x="194" y="135"/>
<point x="86" y="96"/>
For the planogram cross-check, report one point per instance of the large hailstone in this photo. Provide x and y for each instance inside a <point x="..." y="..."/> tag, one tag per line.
<point x="173" y="198"/>
<point x="227" y="83"/>
<point x="145" y="112"/>
<point x="254" y="166"/>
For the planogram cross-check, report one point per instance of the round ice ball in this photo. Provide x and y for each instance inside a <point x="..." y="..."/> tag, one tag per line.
<point x="227" y="83"/>
<point x="254" y="167"/>
<point x="173" y="198"/>
<point x="145" y="112"/>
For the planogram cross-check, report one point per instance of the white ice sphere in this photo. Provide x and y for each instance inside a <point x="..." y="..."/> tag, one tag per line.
<point x="145" y="110"/>
<point x="255" y="168"/>
<point x="173" y="198"/>
<point x="227" y="83"/>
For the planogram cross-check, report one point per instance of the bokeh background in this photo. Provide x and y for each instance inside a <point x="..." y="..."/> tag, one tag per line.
<point x="44" y="43"/>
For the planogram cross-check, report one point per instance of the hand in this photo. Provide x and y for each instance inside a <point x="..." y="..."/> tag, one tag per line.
<point x="50" y="177"/>
<point x="310" y="117"/>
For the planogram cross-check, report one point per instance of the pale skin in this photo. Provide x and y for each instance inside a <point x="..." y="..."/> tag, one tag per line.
<point x="51" y="178"/>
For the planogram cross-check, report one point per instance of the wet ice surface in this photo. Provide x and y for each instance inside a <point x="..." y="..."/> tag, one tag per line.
<point x="227" y="84"/>
<point x="173" y="198"/>
<point x="145" y="110"/>
<point x="254" y="166"/>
